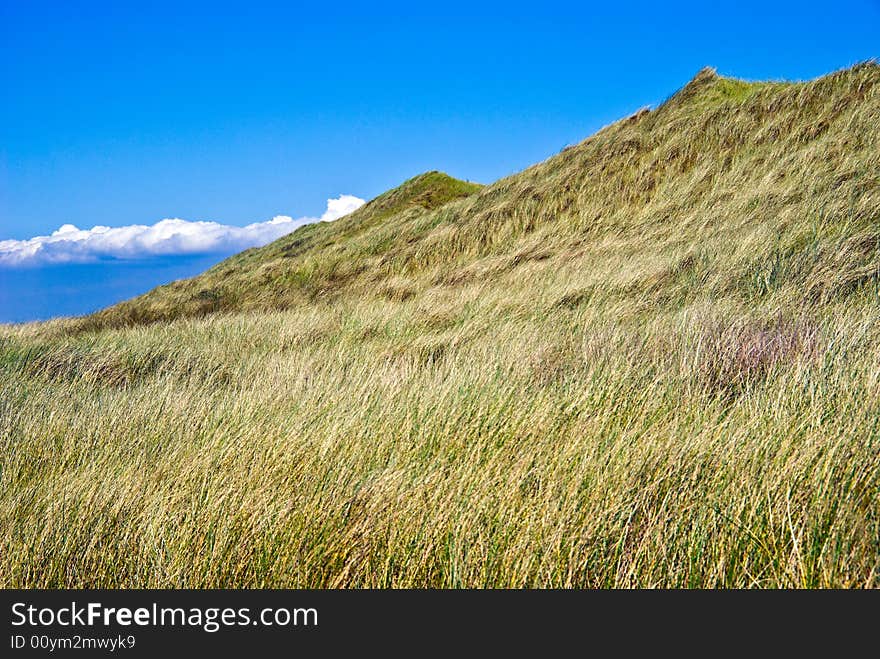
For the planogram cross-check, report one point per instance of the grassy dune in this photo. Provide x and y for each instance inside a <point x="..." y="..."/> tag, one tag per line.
<point x="652" y="360"/>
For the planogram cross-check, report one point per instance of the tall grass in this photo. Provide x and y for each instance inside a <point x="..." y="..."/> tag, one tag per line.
<point x="349" y="447"/>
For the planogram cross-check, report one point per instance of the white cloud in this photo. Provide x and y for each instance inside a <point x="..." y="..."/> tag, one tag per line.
<point x="70" y="244"/>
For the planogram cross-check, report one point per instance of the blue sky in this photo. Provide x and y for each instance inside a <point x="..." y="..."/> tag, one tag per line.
<point x="128" y="113"/>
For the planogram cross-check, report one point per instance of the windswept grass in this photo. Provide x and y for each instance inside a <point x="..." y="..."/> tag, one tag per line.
<point x="652" y="360"/>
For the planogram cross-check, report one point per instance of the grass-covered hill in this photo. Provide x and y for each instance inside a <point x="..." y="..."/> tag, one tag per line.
<point x="299" y="268"/>
<point x="728" y="188"/>
<point x="653" y="359"/>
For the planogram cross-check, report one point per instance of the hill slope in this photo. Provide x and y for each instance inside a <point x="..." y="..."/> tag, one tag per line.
<point x="651" y="360"/>
<point x="728" y="187"/>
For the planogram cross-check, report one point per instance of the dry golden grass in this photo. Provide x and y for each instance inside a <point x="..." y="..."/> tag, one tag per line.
<point x="652" y="360"/>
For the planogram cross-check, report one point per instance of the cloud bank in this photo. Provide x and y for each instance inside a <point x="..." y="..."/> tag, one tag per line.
<point x="170" y="237"/>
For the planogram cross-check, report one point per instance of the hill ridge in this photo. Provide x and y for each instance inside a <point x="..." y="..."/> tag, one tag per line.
<point x="720" y="157"/>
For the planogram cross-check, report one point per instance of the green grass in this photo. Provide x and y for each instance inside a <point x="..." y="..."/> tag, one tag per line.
<point x="651" y="360"/>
